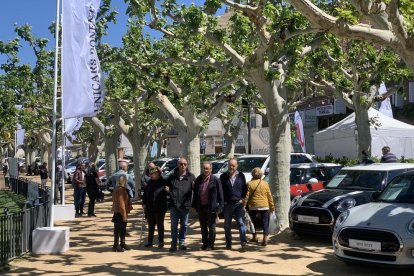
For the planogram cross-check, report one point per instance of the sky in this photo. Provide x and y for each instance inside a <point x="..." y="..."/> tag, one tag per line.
<point x="41" y="13"/>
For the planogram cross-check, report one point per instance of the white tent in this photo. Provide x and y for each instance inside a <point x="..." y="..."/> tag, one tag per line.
<point x="340" y="139"/>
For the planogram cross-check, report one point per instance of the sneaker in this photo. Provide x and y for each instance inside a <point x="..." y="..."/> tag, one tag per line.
<point x="254" y="240"/>
<point x="183" y="247"/>
<point x="173" y="249"/>
<point x="126" y="247"/>
<point x="243" y="245"/>
<point x="264" y="243"/>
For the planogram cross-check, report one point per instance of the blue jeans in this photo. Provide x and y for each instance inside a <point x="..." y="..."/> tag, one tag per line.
<point x="236" y="211"/>
<point x="178" y="215"/>
<point x="79" y="198"/>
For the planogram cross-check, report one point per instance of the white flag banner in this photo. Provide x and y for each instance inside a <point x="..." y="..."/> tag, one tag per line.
<point x="82" y="82"/>
<point x="385" y="107"/>
<point x="72" y="125"/>
<point x="300" y="135"/>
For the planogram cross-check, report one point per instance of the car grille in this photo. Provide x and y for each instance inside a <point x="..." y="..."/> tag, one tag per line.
<point x="389" y="242"/>
<point x="314" y="229"/>
<point x="369" y="256"/>
<point x="325" y="217"/>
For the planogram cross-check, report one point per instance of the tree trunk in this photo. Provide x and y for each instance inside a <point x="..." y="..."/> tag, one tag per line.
<point x="93" y="151"/>
<point x="111" y="144"/>
<point x="191" y="146"/>
<point x="140" y="153"/>
<point x="231" y="145"/>
<point x="364" y="132"/>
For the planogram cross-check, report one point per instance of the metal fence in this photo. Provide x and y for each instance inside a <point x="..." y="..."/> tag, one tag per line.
<point x="16" y="229"/>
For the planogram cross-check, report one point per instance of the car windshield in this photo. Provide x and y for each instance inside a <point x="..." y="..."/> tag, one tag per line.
<point x="216" y="166"/>
<point x="400" y="189"/>
<point x="357" y="180"/>
<point x="71" y="164"/>
<point x="299" y="158"/>
<point x="159" y="163"/>
<point x="247" y="164"/>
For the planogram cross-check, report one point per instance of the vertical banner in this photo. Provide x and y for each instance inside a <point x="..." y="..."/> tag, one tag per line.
<point x="20" y="135"/>
<point x="82" y="82"/>
<point x="300" y="135"/>
<point x="385" y="107"/>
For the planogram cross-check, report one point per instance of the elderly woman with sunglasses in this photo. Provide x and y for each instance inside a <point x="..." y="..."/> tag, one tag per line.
<point x="154" y="202"/>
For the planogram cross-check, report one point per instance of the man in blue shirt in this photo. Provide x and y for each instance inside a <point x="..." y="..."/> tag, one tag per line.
<point x="123" y="170"/>
<point x="234" y="192"/>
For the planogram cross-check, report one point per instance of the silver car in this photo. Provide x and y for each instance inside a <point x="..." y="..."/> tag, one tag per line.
<point x="382" y="231"/>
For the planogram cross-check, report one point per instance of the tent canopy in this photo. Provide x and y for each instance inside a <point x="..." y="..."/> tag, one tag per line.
<point x="340" y="139"/>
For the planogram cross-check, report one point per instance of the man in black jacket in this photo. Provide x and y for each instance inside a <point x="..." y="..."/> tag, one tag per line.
<point x="207" y="200"/>
<point x="234" y="191"/>
<point x="179" y="186"/>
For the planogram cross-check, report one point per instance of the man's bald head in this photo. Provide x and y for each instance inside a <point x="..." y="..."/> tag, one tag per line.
<point x="123" y="166"/>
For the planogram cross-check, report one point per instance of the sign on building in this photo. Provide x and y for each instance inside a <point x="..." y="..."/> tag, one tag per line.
<point x="324" y="110"/>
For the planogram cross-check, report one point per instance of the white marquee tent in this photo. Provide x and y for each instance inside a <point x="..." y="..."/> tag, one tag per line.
<point x="340" y="139"/>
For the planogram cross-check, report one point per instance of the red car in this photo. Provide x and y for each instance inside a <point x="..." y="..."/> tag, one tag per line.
<point x="308" y="177"/>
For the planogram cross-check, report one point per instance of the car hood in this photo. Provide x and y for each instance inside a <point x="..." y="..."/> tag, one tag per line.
<point x="391" y="216"/>
<point x="325" y="197"/>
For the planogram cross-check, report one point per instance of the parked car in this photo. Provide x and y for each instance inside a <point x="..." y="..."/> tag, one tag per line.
<point x="166" y="164"/>
<point x="217" y="165"/>
<point x="380" y="232"/>
<point x="100" y="166"/>
<point x="316" y="212"/>
<point x="249" y="161"/>
<point x="308" y="177"/>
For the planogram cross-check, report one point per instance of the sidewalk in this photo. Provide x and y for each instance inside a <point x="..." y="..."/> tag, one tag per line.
<point x="91" y="253"/>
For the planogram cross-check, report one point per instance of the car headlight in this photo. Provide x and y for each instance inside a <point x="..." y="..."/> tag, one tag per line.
<point x="341" y="219"/>
<point x="345" y="204"/>
<point x="295" y="200"/>
<point x="411" y="227"/>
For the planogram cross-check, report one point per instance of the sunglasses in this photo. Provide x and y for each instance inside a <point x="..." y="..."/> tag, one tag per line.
<point x="182" y="164"/>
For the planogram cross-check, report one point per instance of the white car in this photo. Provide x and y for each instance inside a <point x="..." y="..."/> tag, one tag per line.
<point x="382" y="231"/>
<point x="250" y="161"/>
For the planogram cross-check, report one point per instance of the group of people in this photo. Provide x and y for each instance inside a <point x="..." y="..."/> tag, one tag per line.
<point x="207" y="194"/>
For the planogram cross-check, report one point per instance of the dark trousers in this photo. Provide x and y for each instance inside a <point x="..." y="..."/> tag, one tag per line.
<point x="79" y="194"/>
<point x="119" y="229"/>
<point x="260" y="220"/>
<point x="153" y="219"/>
<point x="208" y="226"/>
<point x="92" y="194"/>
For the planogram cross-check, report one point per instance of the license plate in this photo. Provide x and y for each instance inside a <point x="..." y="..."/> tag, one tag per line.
<point x="308" y="219"/>
<point x="366" y="245"/>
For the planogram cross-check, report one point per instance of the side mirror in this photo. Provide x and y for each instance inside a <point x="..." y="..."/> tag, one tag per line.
<point x="375" y="196"/>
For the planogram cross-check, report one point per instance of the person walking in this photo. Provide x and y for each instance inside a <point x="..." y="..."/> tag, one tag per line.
<point x="179" y="188"/>
<point x="234" y="192"/>
<point x="207" y="201"/>
<point x="43" y="173"/>
<point x="154" y="203"/>
<point x="387" y="156"/>
<point x="123" y="170"/>
<point x="92" y="188"/>
<point x="79" y="189"/>
<point x="146" y="177"/>
<point x="120" y="207"/>
<point x="259" y="202"/>
<point x="58" y="183"/>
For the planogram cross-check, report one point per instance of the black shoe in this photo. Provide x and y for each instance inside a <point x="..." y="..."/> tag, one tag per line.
<point x="93" y="215"/>
<point x="126" y="247"/>
<point x="243" y="246"/>
<point x="210" y="248"/>
<point x="173" y="249"/>
<point x="183" y="247"/>
<point x="228" y="246"/>
<point x="117" y="248"/>
<point x="148" y="245"/>
<point x="161" y="245"/>
<point x="204" y="247"/>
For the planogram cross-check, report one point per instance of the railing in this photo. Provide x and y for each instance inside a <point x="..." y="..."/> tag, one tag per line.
<point x="16" y="229"/>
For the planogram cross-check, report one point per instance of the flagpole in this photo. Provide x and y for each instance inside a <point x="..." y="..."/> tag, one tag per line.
<point x="55" y="86"/>
<point x="63" y="151"/>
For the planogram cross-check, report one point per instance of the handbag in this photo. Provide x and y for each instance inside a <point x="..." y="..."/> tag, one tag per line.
<point x="248" y="222"/>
